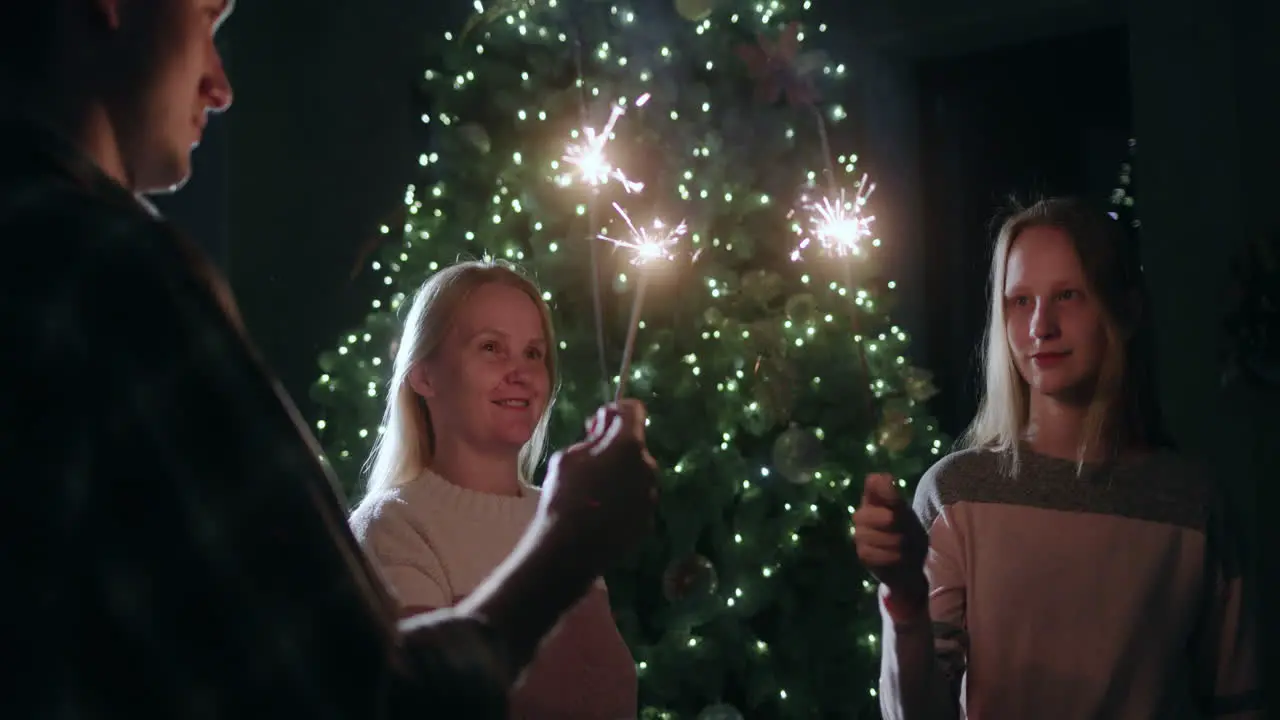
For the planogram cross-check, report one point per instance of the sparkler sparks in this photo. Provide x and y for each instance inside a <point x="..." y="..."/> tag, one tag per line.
<point x="589" y="157"/>
<point x="838" y="227"/>
<point x="647" y="245"/>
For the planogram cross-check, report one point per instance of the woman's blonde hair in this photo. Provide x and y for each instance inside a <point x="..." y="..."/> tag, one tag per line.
<point x="405" y="446"/>
<point x="1124" y="410"/>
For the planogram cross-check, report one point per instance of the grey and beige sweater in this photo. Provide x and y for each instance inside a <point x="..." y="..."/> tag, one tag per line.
<point x="1115" y="594"/>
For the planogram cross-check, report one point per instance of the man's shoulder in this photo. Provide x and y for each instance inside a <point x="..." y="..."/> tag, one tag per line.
<point x="48" y="215"/>
<point x="65" y="243"/>
<point x="45" y="182"/>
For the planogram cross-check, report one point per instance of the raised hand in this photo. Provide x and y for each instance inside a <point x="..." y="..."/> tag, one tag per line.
<point x="602" y="492"/>
<point x="890" y="540"/>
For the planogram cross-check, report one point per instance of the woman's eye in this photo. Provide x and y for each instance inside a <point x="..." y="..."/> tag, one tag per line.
<point x="1068" y="294"/>
<point x="534" y="354"/>
<point x="489" y="347"/>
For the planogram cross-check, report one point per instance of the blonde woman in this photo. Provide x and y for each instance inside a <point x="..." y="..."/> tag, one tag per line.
<point x="448" y="488"/>
<point x="1066" y="563"/>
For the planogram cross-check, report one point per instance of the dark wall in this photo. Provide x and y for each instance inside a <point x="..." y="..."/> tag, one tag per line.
<point x="323" y="143"/>
<point x="1206" y="118"/>
<point x="1048" y="118"/>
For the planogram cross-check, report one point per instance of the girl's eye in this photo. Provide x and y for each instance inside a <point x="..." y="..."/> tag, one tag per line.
<point x="489" y="346"/>
<point x="534" y="354"/>
<point x="1068" y="294"/>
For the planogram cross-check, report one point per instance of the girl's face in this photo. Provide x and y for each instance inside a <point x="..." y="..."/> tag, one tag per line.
<point x="488" y="383"/>
<point x="1054" y="325"/>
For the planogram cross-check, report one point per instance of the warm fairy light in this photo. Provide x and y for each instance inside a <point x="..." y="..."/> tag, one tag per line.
<point x="647" y="245"/>
<point x="434" y="235"/>
<point x="589" y="156"/>
<point x="838" y="227"/>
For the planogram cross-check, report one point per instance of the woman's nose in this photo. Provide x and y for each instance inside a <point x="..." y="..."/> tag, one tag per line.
<point x="1044" y="322"/>
<point x="522" y="370"/>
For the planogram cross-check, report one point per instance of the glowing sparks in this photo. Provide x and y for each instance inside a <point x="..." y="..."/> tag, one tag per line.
<point x="838" y="227"/>
<point x="588" y="157"/>
<point x="647" y="245"/>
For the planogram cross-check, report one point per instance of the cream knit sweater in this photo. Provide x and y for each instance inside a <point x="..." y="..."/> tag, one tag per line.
<point x="434" y="542"/>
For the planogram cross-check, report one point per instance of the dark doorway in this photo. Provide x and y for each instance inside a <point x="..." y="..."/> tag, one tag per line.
<point x="1048" y="118"/>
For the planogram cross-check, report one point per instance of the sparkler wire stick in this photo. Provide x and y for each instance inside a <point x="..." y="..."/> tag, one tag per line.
<point x="598" y="304"/>
<point x="592" y="222"/>
<point x="648" y="247"/>
<point x="855" y="322"/>
<point x="632" y="330"/>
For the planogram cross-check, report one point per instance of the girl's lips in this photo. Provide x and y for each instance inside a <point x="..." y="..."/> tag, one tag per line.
<point x="1048" y="359"/>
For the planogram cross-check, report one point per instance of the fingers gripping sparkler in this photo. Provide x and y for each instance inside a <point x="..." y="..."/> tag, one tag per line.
<point x="648" y="246"/>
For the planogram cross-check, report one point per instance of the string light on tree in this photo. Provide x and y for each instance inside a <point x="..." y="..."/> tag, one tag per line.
<point x="737" y="358"/>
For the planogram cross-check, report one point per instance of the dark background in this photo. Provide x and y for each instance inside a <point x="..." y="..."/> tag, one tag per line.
<point x="1046" y="118"/>
<point x="957" y="105"/>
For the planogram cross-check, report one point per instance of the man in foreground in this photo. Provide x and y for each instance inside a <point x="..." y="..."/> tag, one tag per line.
<point x="174" y="546"/>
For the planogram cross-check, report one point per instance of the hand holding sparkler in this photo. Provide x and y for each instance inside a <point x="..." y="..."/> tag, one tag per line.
<point x="649" y="246"/>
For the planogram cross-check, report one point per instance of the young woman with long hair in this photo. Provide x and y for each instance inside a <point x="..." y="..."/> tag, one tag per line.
<point x="449" y="491"/>
<point x="1066" y="562"/>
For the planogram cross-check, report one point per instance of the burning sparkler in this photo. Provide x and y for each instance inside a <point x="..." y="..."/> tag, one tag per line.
<point x="647" y="247"/>
<point x="838" y="227"/>
<point x="589" y="157"/>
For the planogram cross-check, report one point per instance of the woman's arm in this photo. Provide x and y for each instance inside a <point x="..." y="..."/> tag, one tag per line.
<point x="1226" y="651"/>
<point x="925" y="642"/>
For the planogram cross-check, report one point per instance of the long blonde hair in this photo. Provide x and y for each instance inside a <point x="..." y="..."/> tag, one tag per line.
<point x="405" y="446"/>
<point x="1124" y="410"/>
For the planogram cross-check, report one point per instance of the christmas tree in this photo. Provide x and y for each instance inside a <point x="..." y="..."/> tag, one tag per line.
<point x="773" y="374"/>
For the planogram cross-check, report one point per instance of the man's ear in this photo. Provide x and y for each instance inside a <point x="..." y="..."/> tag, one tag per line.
<point x="420" y="381"/>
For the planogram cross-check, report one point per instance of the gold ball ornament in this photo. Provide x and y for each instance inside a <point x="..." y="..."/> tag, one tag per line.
<point x="695" y="10"/>
<point x="801" y="308"/>
<point x="774" y="388"/>
<point x="895" y="432"/>
<point x="918" y="384"/>
<point x="689" y="577"/>
<point x="477" y="136"/>
<point x="797" y="454"/>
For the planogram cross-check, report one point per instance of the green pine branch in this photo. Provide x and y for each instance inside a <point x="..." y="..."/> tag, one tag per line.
<point x="749" y="595"/>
